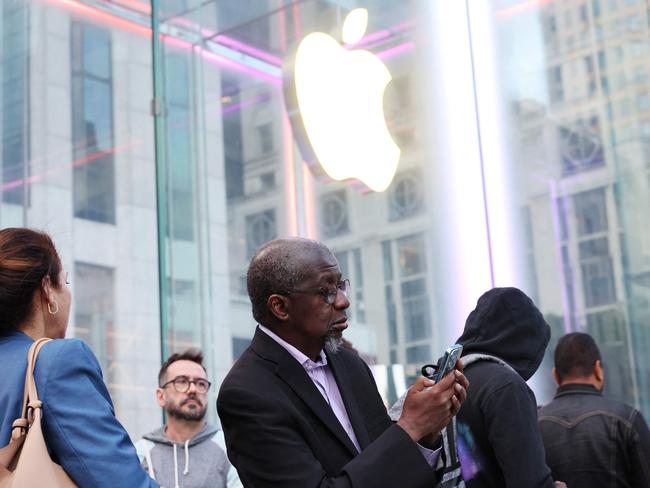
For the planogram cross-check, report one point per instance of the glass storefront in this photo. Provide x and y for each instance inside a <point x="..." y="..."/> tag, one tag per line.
<point x="159" y="168"/>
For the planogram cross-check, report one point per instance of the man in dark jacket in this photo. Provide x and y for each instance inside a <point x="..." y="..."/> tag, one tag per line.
<point x="503" y="345"/>
<point x="591" y="440"/>
<point x="300" y="411"/>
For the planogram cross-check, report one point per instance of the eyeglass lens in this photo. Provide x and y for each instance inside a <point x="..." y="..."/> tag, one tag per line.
<point x="182" y="385"/>
<point x="342" y="286"/>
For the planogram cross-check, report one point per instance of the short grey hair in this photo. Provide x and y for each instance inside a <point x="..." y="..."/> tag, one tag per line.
<point x="276" y="267"/>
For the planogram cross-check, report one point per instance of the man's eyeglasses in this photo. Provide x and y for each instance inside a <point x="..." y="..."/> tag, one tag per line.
<point x="328" y="294"/>
<point x="182" y="384"/>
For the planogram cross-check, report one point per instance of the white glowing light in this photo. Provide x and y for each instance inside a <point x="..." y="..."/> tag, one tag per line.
<point x="340" y="97"/>
<point x="355" y="25"/>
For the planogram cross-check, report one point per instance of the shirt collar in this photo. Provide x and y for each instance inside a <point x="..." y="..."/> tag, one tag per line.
<point x="576" y="388"/>
<point x="304" y="360"/>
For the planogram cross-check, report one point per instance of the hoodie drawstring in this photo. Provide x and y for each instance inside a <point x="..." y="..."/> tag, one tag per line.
<point x="187" y="458"/>
<point x="187" y="462"/>
<point x="176" y="485"/>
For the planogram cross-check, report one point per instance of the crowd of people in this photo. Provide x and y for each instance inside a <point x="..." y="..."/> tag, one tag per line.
<point x="300" y="408"/>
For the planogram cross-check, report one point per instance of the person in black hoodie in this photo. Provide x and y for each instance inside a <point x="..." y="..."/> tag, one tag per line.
<point x="503" y="345"/>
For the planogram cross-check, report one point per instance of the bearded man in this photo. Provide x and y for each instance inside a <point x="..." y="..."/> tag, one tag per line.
<point x="186" y="452"/>
<point x="300" y="411"/>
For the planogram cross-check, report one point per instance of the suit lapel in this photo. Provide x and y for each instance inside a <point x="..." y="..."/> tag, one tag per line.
<point x="294" y="375"/>
<point x="347" y="394"/>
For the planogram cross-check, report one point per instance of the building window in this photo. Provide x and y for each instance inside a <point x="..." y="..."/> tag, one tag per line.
<point x="552" y="24"/>
<point x="406" y="290"/>
<point x="415" y="309"/>
<point x="239" y="345"/>
<point x="265" y="134"/>
<point x="184" y="312"/>
<point x="556" y="88"/>
<point x="334" y="214"/>
<point x="608" y="330"/>
<point x="406" y="197"/>
<point x="597" y="272"/>
<point x="350" y="264"/>
<point x="15" y="101"/>
<point x="596" y="7"/>
<point x="94" y="298"/>
<point x="413" y="288"/>
<point x="92" y="124"/>
<point x="267" y="180"/>
<point x="232" y="136"/>
<point x="419" y="355"/>
<point x="581" y="150"/>
<point x="180" y="164"/>
<point x="591" y="211"/>
<point x="260" y="228"/>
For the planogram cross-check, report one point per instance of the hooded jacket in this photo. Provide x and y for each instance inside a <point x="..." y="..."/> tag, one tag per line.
<point x="200" y="462"/>
<point x="498" y="421"/>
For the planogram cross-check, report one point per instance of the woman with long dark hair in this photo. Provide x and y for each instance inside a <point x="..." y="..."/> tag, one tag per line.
<point x="79" y="424"/>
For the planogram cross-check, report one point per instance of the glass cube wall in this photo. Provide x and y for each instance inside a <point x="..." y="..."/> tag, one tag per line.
<point x="160" y="163"/>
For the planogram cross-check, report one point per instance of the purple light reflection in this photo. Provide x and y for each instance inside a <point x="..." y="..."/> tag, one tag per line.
<point x="396" y="50"/>
<point x="248" y="49"/>
<point x="246" y="103"/>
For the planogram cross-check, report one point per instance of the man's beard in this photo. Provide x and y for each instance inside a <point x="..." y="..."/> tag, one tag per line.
<point x="191" y="415"/>
<point x="333" y="343"/>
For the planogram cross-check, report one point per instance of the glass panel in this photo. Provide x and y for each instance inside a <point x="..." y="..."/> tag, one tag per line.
<point x="92" y="124"/>
<point x="14" y="51"/>
<point x="78" y="161"/>
<point x="574" y="96"/>
<point x="523" y="160"/>
<point x="95" y="312"/>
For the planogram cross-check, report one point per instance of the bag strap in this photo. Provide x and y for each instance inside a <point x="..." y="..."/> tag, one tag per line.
<point x="30" y="395"/>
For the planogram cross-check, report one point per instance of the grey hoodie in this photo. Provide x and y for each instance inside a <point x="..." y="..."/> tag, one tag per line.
<point x="199" y="463"/>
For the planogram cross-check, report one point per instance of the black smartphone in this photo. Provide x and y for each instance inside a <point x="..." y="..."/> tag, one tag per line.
<point x="445" y="364"/>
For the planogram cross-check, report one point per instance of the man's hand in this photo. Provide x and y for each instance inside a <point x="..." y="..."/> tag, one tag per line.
<point x="429" y="407"/>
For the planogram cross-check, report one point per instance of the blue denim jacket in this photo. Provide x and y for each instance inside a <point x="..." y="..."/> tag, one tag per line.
<point x="592" y="441"/>
<point x="79" y="424"/>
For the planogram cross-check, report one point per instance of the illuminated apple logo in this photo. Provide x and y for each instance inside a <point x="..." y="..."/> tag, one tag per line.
<point x="335" y="97"/>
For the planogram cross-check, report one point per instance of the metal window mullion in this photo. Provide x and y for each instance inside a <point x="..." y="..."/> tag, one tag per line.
<point x="161" y="174"/>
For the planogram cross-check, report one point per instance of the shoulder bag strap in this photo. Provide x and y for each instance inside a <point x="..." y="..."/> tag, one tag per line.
<point x="30" y="395"/>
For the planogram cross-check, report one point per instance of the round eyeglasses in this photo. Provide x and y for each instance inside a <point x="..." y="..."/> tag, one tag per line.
<point x="328" y="294"/>
<point x="182" y="384"/>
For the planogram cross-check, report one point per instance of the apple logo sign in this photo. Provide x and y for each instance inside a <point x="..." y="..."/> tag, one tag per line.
<point x="334" y="96"/>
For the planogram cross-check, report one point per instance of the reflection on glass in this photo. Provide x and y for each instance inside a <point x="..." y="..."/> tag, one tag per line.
<point x="584" y="158"/>
<point x="92" y="123"/>
<point x="14" y="51"/>
<point x="94" y="300"/>
<point x="570" y="78"/>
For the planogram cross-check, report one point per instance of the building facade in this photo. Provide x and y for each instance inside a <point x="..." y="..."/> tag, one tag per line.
<point x="160" y="167"/>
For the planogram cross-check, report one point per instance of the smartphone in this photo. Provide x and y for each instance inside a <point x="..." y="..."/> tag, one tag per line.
<point x="445" y="364"/>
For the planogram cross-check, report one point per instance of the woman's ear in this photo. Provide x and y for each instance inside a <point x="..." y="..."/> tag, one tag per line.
<point x="279" y="306"/>
<point x="47" y="293"/>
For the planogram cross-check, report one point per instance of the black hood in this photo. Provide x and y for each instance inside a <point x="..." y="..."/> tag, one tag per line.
<point x="507" y="324"/>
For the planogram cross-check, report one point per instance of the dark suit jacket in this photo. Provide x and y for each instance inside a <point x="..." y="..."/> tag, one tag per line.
<point x="280" y="432"/>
